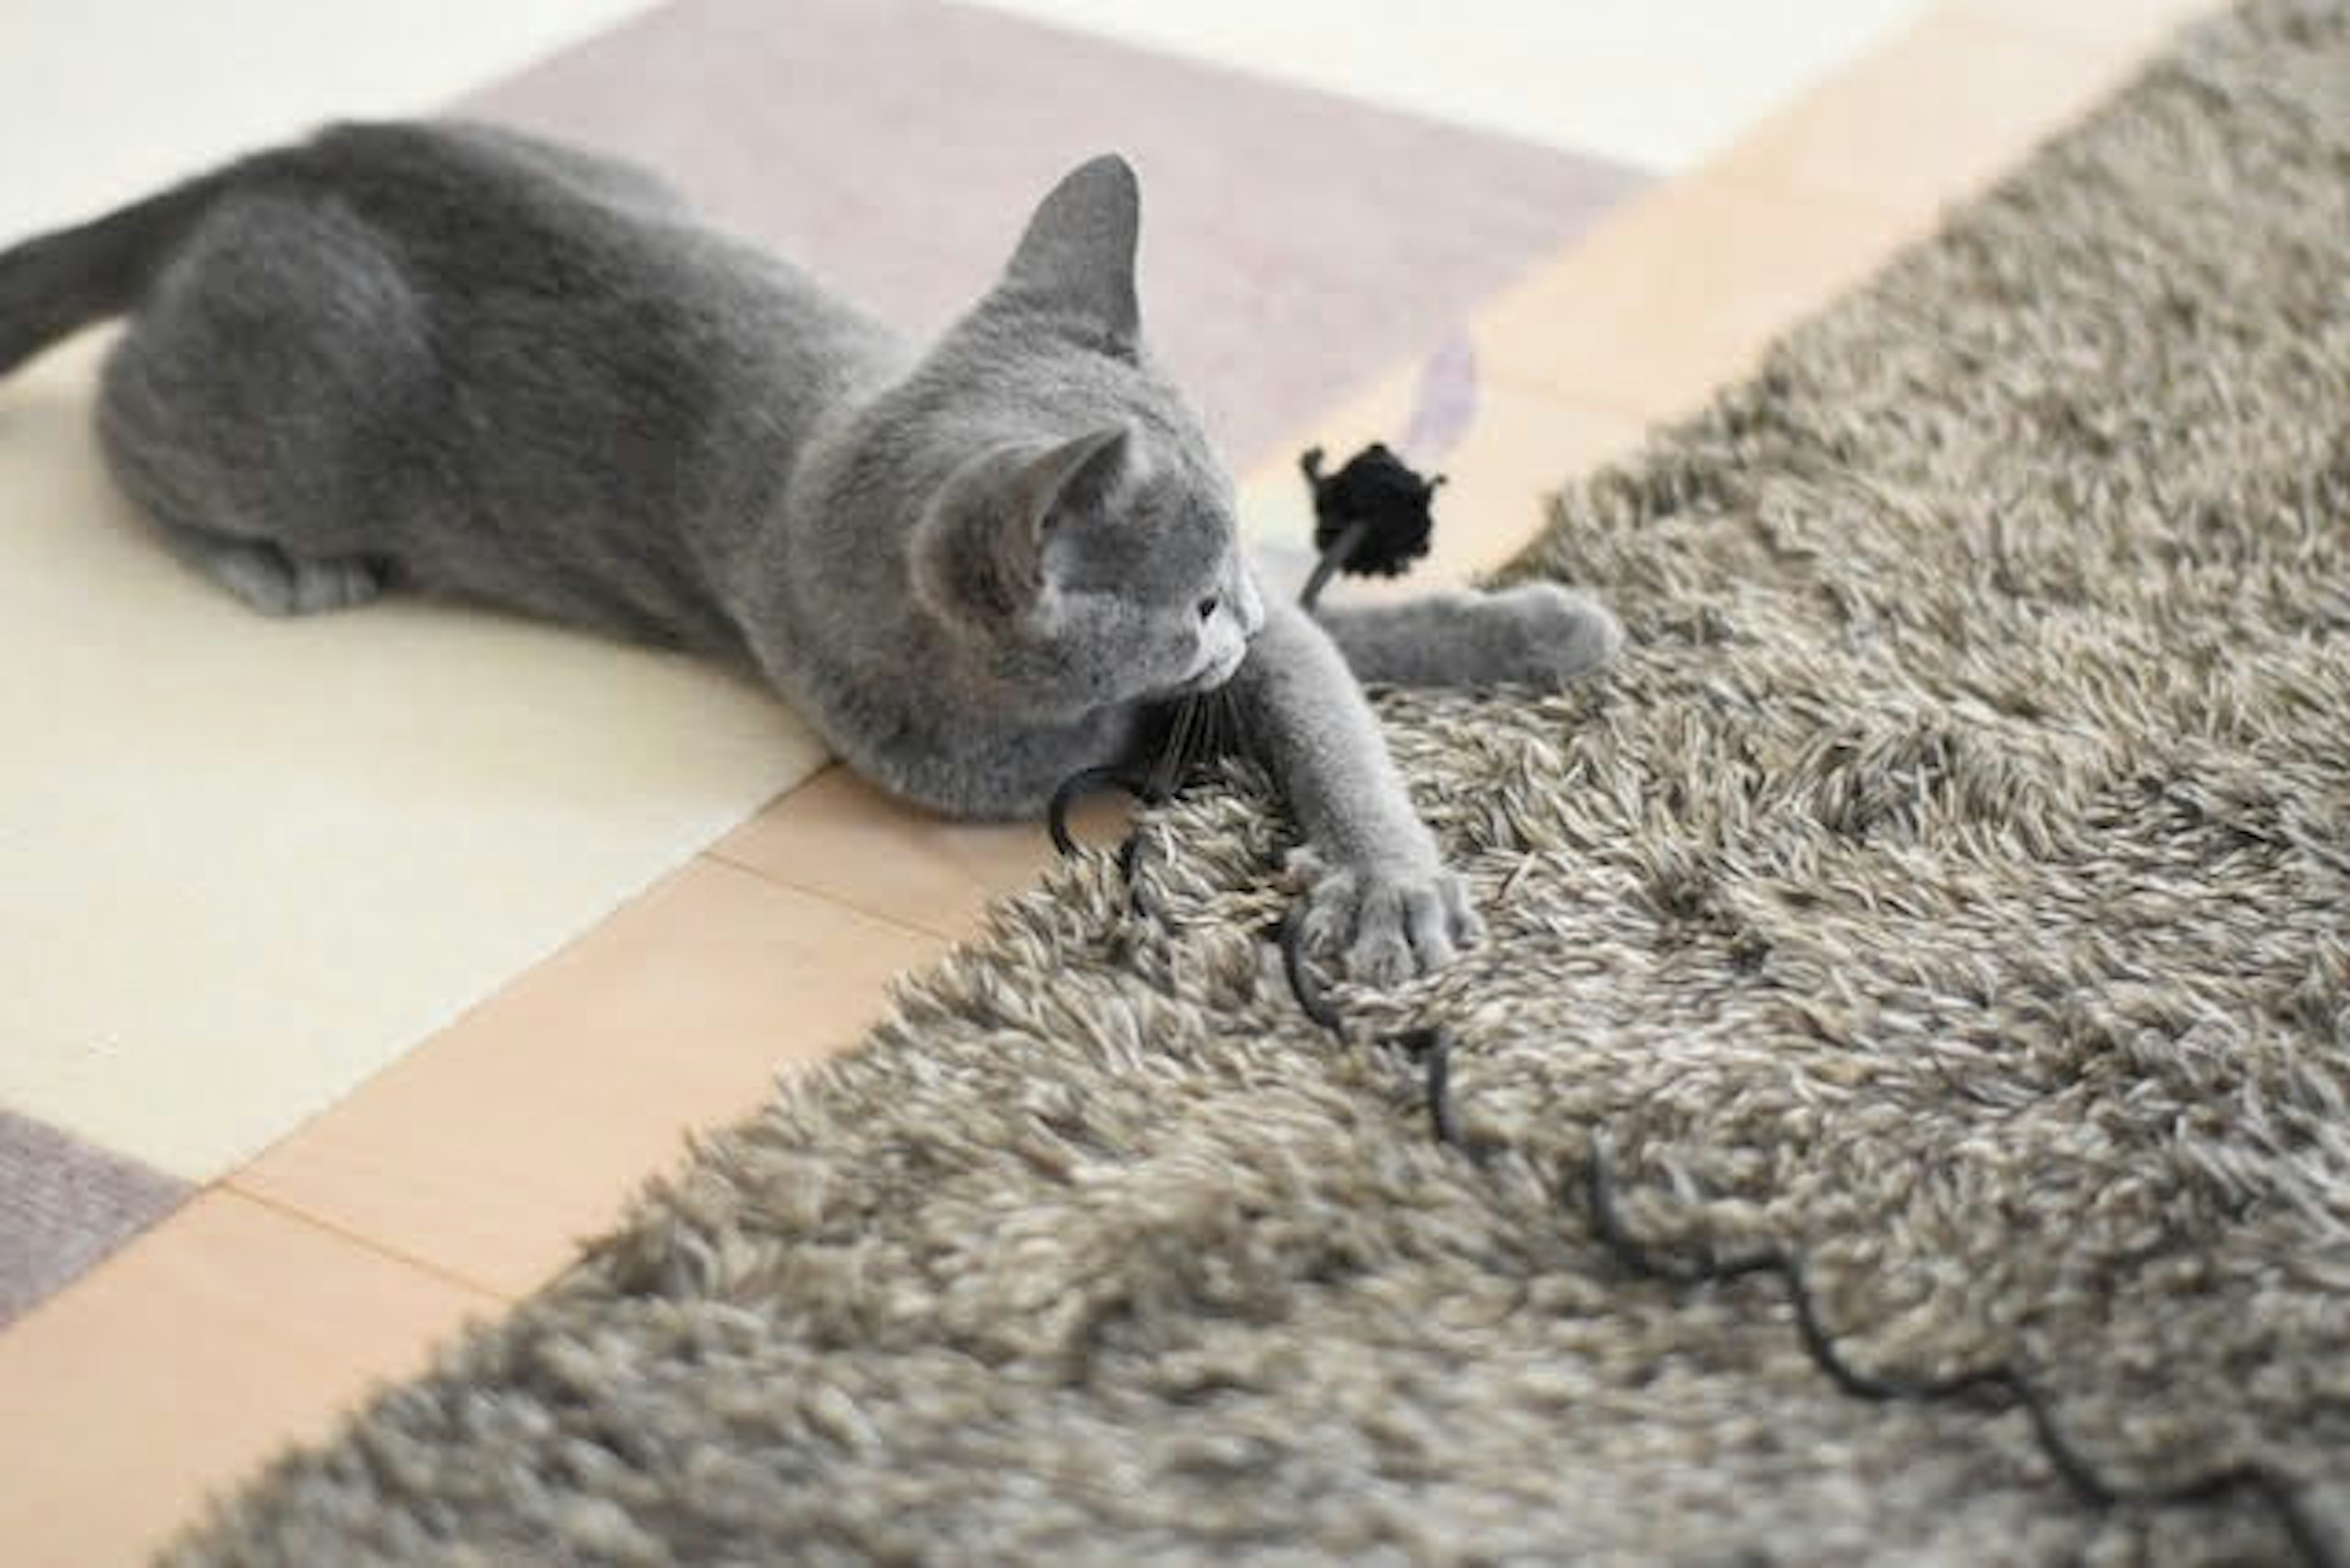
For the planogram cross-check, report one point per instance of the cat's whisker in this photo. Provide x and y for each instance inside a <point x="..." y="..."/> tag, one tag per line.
<point x="1225" y="734"/>
<point x="1201" y="725"/>
<point x="1175" y="755"/>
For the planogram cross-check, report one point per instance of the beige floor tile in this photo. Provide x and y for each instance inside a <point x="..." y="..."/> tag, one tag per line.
<point x="1676" y="293"/>
<point x="185" y="1361"/>
<point x="841" y="837"/>
<point x="1931" y="115"/>
<point x="1679" y="292"/>
<point x="1524" y="442"/>
<point x="492" y="1148"/>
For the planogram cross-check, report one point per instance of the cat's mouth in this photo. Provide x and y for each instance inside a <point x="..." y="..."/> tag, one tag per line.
<point x="1214" y="675"/>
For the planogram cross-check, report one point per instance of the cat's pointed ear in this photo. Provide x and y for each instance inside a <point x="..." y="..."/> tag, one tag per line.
<point x="982" y="552"/>
<point x="1076" y="258"/>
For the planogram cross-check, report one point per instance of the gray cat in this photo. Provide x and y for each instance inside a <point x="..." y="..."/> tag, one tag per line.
<point x="457" y="360"/>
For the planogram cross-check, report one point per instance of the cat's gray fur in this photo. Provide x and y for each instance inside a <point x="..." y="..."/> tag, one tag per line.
<point x="455" y="358"/>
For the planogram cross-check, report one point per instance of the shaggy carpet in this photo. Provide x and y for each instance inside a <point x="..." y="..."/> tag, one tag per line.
<point x="1933" y="934"/>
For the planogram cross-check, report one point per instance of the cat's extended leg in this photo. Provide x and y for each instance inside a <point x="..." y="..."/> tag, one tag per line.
<point x="1537" y="634"/>
<point x="1380" y="887"/>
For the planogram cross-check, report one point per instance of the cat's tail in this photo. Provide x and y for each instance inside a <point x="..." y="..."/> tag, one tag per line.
<point x="58" y="282"/>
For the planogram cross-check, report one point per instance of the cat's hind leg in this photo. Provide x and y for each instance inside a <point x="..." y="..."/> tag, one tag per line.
<point x="263" y="406"/>
<point x="1537" y="634"/>
<point x="266" y="578"/>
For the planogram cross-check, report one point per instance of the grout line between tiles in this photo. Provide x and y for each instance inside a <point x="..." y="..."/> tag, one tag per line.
<point x="826" y="895"/>
<point x="230" y="1186"/>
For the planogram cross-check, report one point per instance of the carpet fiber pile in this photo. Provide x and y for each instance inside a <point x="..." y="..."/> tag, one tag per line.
<point x="1950" y="890"/>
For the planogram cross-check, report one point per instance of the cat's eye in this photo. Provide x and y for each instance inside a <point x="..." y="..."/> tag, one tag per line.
<point x="1208" y="607"/>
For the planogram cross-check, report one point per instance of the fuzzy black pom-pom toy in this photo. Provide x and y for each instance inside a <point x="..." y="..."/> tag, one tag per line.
<point x="1370" y="518"/>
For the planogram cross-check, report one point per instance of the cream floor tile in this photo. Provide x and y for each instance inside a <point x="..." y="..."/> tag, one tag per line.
<point x="1680" y="291"/>
<point x="320" y="837"/>
<point x="842" y="838"/>
<point x="1933" y="113"/>
<point x="1521" y="442"/>
<point x="490" y="1149"/>
<point x="100" y="99"/>
<point x="185" y="1360"/>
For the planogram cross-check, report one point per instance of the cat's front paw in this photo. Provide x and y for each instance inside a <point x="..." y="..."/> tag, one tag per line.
<point x="1544" y="635"/>
<point x="1390" y="923"/>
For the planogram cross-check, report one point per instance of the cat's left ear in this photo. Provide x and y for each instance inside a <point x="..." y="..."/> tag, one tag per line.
<point x="1076" y="259"/>
<point x="984" y="550"/>
<point x="1067" y="482"/>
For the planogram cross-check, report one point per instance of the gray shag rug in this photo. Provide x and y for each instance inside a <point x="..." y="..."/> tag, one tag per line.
<point x="1949" y="893"/>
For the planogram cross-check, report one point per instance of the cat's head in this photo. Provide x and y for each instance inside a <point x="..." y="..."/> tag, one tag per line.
<point x="1081" y="546"/>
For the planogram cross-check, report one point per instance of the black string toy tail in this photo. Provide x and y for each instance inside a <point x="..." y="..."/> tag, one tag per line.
<point x="1372" y="517"/>
<point x="2001" y="1385"/>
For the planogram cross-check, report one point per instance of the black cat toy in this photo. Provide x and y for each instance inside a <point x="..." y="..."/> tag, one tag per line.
<point x="1371" y="518"/>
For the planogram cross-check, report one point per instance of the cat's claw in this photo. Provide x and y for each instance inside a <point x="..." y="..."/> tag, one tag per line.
<point x="1390" y="923"/>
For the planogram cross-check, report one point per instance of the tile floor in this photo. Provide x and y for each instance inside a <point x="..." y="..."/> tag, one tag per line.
<point x="457" y="1179"/>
